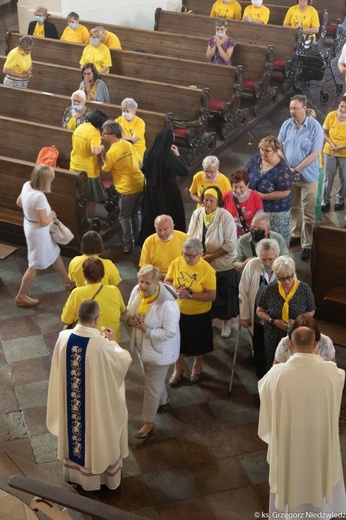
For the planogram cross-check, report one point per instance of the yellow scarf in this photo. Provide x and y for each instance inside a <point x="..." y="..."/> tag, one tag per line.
<point x="144" y="305"/>
<point x="208" y="219"/>
<point x="287" y="298"/>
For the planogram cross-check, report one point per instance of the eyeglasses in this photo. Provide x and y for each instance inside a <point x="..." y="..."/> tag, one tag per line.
<point x="266" y="150"/>
<point x="286" y="278"/>
<point x="190" y="256"/>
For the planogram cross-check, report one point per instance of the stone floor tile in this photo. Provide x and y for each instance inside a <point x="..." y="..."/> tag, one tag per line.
<point x="193" y="418"/>
<point x="24" y="349"/>
<point x="159" y="456"/>
<point x="249" y="380"/>
<point x="127" y="270"/>
<point x="5" y="376"/>
<point x="20" y="448"/>
<point x="244" y="438"/>
<point x="22" y="326"/>
<point x="163" y="429"/>
<point x="191" y="509"/>
<point x="150" y="513"/>
<point x="32" y="395"/>
<point x="8" y="401"/>
<point x="44" y="447"/>
<point x="11" y="426"/>
<point x="172" y="485"/>
<point x="2" y="357"/>
<point x="35" y="420"/>
<point x="255" y="466"/>
<point x="220" y="475"/>
<point x="234" y="504"/>
<point x="262" y="491"/>
<point x="235" y="411"/>
<point x="130" y="465"/>
<point x="30" y="370"/>
<point x="202" y="445"/>
<point x="132" y="494"/>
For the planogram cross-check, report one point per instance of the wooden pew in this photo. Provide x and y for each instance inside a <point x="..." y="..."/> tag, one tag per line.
<point x="68" y="199"/>
<point x="47" y="108"/>
<point x="256" y="60"/>
<point x="191" y="104"/>
<point x="328" y="272"/>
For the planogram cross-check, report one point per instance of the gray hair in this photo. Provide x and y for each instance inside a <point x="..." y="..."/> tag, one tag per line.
<point x="79" y="93"/>
<point x="25" y="41"/>
<point x="210" y="161"/>
<point x="163" y="217"/>
<point x="284" y="266"/>
<point x="41" y="9"/>
<point x="261" y="217"/>
<point x="129" y="102"/>
<point x="72" y="14"/>
<point x="150" y="269"/>
<point x="303" y="338"/>
<point x="268" y="244"/>
<point x="193" y="244"/>
<point x="113" y="128"/>
<point x="221" y="22"/>
<point x="88" y="311"/>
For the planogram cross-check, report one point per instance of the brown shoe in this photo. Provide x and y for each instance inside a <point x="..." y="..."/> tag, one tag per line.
<point x="27" y="302"/>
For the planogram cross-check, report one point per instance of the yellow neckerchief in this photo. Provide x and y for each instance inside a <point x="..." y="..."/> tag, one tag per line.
<point x="208" y="219"/>
<point x="292" y="292"/>
<point x="72" y="125"/>
<point x="144" y="305"/>
<point x="39" y="30"/>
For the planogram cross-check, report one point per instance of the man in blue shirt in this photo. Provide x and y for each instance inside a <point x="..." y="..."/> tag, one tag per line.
<point x="301" y="139"/>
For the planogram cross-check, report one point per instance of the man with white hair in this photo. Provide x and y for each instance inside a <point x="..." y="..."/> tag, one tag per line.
<point x="164" y="246"/>
<point x="299" y="420"/>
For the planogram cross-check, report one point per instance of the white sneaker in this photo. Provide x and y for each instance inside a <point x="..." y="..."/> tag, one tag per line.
<point x="226" y="331"/>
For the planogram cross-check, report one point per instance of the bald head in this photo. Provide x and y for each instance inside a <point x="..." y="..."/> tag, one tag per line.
<point x="164" y="226"/>
<point x="303" y="340"/>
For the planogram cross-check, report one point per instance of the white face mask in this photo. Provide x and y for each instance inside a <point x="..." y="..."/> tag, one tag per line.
<point x="257" y="3"/>
<point x="128" y="116"/>
<point x="221" y="35"/>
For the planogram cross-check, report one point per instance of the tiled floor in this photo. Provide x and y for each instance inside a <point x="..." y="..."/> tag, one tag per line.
<point x="205" y="460"/>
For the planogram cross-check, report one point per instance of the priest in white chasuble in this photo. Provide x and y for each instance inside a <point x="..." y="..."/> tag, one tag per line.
<point x="299" y="420"/>
<point x="86" y="406"/>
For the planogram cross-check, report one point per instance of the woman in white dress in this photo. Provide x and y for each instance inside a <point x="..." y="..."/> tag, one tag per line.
<point x="42" y="250"/>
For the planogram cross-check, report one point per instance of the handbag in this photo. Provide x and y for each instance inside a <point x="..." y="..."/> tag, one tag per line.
<point x="60" y="233"/>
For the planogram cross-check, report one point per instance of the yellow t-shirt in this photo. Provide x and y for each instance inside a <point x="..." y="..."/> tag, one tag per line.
<point x="85" y="137"/>
<point x="112" y="41"/>
<point x="199" y="183"/>
<point x="296" y="19"/>
<point x="100" y="56"/>
<point x="136" y="127"/>
<point x="337" y="133"/>
<point x="195" y="277"/>
<point x="39" y="30"/>
<point x="18" y="61"/>
<point x="222" y="10"/>
<point x="257" y="13"/>
<point x="161" y="254"/>
<point x="122" y="161"/>
<point x="109" y="299"/>
<point x="79" y="35"/>
<point x="75" y="271"/>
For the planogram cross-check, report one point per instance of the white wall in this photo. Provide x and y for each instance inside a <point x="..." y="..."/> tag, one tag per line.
<point x="133" y="13"/>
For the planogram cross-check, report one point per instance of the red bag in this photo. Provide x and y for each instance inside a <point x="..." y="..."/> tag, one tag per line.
<point x="48" y="155"/>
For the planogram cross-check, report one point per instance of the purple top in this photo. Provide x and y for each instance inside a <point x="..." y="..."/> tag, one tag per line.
<point x="229" y="42"/>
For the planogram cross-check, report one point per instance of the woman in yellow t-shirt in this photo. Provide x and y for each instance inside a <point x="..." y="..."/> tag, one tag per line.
<point x="107" y="296"/>
<point x="77" y="113"/>
<point x="194" y="280"/>
<point x="18" y="66"/>
<point x="303" y="16"/>
<point x="334" y="151"/>
<point x="209" y="176"/>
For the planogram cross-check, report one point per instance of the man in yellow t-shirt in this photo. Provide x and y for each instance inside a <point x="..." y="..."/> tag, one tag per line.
<point x="256" y="12"/>
<point x="108" y="38"/>
<point x="86" y="149"/>
<point x="164" y="246"/>
<point x="75" y="32"/>
<point x="226" y="9"/>
<point x="133" y="127"/>
<point x="97" y="53"/>
<point x="209" y="176"/>
<point x="123" y="162"/>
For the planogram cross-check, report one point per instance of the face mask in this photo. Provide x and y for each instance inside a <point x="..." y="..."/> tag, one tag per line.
<point x="257" y="3"/>
<point x="78" y="108"/>
<point x="167" y="239"/>
<point x="258" y="234"/>
<point x="127" y="116"/>
<point x="226" y="1"/>
<point x="73" y="25"/>
<point x="220" y="35"/>
<point x="39" y="19"/>
<point x="94" y="41"/>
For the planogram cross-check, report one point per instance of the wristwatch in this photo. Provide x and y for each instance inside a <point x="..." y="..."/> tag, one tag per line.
<point x="189" y="294"/>
<point x="270" y="320"/>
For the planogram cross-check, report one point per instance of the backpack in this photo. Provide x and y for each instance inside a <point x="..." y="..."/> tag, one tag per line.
<point x="48" y="155"/>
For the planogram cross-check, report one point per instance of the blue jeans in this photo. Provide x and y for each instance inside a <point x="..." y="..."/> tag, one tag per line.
<point x="130" y="217"/>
